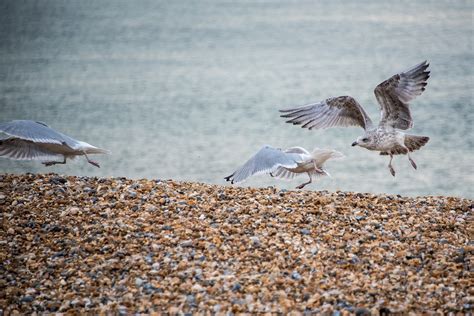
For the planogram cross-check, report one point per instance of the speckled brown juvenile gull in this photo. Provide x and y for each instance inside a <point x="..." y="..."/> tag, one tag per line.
<point x="76" y="245"/>
<point x="392" y="95"/>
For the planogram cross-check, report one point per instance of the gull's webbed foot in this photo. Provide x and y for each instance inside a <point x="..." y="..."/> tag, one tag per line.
<point x="302" y="185"/>
<point x="412" y="162"/>
<point x="319" y="171"/>
<point x="392" y="171"/>
<point x="93" y="163"/>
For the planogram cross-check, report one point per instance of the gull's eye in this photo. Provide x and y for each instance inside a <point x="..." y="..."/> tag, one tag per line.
<point x="365" y="139"/>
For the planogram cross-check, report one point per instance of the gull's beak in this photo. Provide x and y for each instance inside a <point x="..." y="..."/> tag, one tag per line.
<point x="354" y="143"/>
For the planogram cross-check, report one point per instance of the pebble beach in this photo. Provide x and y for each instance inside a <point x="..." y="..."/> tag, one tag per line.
<point x="78" y="245"/>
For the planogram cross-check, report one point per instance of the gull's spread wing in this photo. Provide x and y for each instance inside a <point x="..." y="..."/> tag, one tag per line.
<point x="266" y="160"/>
<point x="394" y="94"/>
<point x="297" y="150"/>
<point x="338" y="111"/>
<point x="36" y="132"/>
<point x="19" y="149"/>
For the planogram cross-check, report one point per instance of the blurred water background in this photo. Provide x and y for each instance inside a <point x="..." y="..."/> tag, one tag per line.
<point x="189" y="90"/>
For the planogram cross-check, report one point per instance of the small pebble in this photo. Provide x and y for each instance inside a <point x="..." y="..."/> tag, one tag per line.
<point x="255" y="241"/>
<point x="27" y="299"/>
<point x="305" y="231"/>
<point x="187" y="243"/>
<point x="296" y="276"/>
<point x="236" y="287"/>
<point x="138" y="282"/>
<point x="362" y="312"/>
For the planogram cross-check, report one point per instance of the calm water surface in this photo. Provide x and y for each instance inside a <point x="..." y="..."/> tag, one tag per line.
<point x="189" y="90"/>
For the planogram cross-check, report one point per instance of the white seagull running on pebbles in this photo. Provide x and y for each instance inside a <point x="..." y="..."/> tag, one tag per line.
<point x="285" y="164"/>
<point x="30" y="140"/>
<point x="393" y="96"/>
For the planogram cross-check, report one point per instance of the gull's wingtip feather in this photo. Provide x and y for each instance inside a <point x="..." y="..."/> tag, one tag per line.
<point x="286" y="110"/>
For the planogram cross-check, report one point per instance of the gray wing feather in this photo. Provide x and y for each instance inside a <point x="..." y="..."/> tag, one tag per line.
<point x="283" y="173"/>
<point x="320" y="156"/>
<point x="266" y="160"/>
<point x="394" y="94"/>
<point x="19" y="149"/>
<point x="297" y="150"/>
<point x="36" y="132"/>
<point x="338" y="111"/>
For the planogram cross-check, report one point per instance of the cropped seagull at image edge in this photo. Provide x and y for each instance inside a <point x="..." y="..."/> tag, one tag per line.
<point x="285" y="164"/>
<point x="30" y="140"/>
<point x="392" y="95"/>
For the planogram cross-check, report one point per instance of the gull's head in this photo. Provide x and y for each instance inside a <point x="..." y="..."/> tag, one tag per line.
<point x="363" y="141"/>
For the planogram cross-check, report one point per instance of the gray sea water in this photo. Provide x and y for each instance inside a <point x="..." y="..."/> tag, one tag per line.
<point x="189" y="90"/>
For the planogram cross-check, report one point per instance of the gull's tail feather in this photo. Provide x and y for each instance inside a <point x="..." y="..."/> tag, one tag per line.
<point x="97" y="150"/>
<point x="90" y="149"/>
<point x="320" y="156"/>
<point x="413" y="142"/>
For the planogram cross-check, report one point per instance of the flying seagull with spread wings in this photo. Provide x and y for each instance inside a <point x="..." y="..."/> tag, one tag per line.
<point x="30" y="140"/>
<point x="285" y="164"/>
<point x="393" y="95"/>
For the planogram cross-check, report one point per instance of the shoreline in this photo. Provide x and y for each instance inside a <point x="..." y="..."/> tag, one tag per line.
<point x="83" y="244"/>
